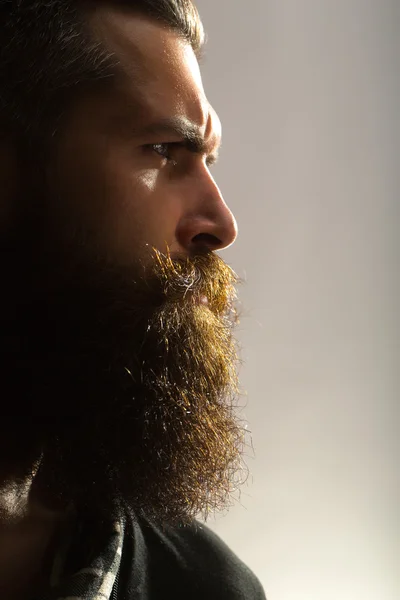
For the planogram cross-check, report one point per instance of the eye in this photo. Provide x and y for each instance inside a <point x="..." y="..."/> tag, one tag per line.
<point x="163" y="150"/>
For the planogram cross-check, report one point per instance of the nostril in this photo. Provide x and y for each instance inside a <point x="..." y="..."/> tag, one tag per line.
<point x="208" y="240"/>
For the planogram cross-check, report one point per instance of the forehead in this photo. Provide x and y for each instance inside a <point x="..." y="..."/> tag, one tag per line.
<point x="159" y="71"/>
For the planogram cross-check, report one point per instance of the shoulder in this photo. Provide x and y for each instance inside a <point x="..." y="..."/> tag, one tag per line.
<point x="196" y="559"/>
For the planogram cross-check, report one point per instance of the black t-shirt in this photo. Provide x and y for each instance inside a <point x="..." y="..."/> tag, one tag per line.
<point x="133" y="559"/>
<point x="181" y="563"/>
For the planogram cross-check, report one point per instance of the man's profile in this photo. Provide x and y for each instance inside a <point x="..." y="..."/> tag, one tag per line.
<point x="118" y="360"/>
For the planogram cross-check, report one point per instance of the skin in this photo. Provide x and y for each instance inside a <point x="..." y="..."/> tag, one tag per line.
<point x="141" y="195"/>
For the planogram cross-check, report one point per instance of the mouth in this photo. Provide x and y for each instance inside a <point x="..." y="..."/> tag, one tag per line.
<point x="200" y="300"/>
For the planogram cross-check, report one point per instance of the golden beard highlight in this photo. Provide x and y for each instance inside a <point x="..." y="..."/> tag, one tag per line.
<point x="134" y="380"/>
<point x="197" y="379"/>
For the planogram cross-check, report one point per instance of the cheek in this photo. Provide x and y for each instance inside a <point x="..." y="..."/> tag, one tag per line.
<point x="123" y="208"/>
<point x="145" y="212"/>
<point x="131" y="209"/>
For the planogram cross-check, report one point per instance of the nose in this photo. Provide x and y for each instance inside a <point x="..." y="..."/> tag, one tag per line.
<point x="207" y="222"/>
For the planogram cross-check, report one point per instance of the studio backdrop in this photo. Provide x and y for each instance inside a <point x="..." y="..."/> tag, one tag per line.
<point x="308" y="95"/>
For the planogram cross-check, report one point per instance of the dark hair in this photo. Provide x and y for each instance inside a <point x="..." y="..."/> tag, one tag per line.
<point x="47" y="55"/>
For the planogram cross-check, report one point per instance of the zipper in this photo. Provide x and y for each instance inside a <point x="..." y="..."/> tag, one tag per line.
<point x="114" y="594"/>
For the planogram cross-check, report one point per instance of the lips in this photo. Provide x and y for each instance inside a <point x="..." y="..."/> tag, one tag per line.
<point x="203" y="300"/>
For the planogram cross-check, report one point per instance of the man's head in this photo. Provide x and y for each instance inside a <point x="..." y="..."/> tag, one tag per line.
<point x="118" y="362"/>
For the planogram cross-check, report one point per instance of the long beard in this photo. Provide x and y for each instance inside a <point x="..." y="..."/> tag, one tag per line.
<point x="121" y="384"/>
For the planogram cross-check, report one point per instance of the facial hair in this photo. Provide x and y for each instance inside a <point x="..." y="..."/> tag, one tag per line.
<point x="120" y="383"/>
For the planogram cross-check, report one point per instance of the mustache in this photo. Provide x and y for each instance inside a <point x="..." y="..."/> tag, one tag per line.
<point x="166" y="278"/>
<point x="68" y="283"/>
<point x="133" y="294"/>
<point x="204" y="275"/>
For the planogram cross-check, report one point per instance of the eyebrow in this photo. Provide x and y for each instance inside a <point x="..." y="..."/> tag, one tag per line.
<point x="190" y="134"/>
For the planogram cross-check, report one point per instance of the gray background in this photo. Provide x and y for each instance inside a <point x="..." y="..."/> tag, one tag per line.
<point x="308" y="95"/>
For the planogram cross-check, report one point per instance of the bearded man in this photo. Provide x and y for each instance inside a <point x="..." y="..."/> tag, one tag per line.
<point x="118" y="363"/>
